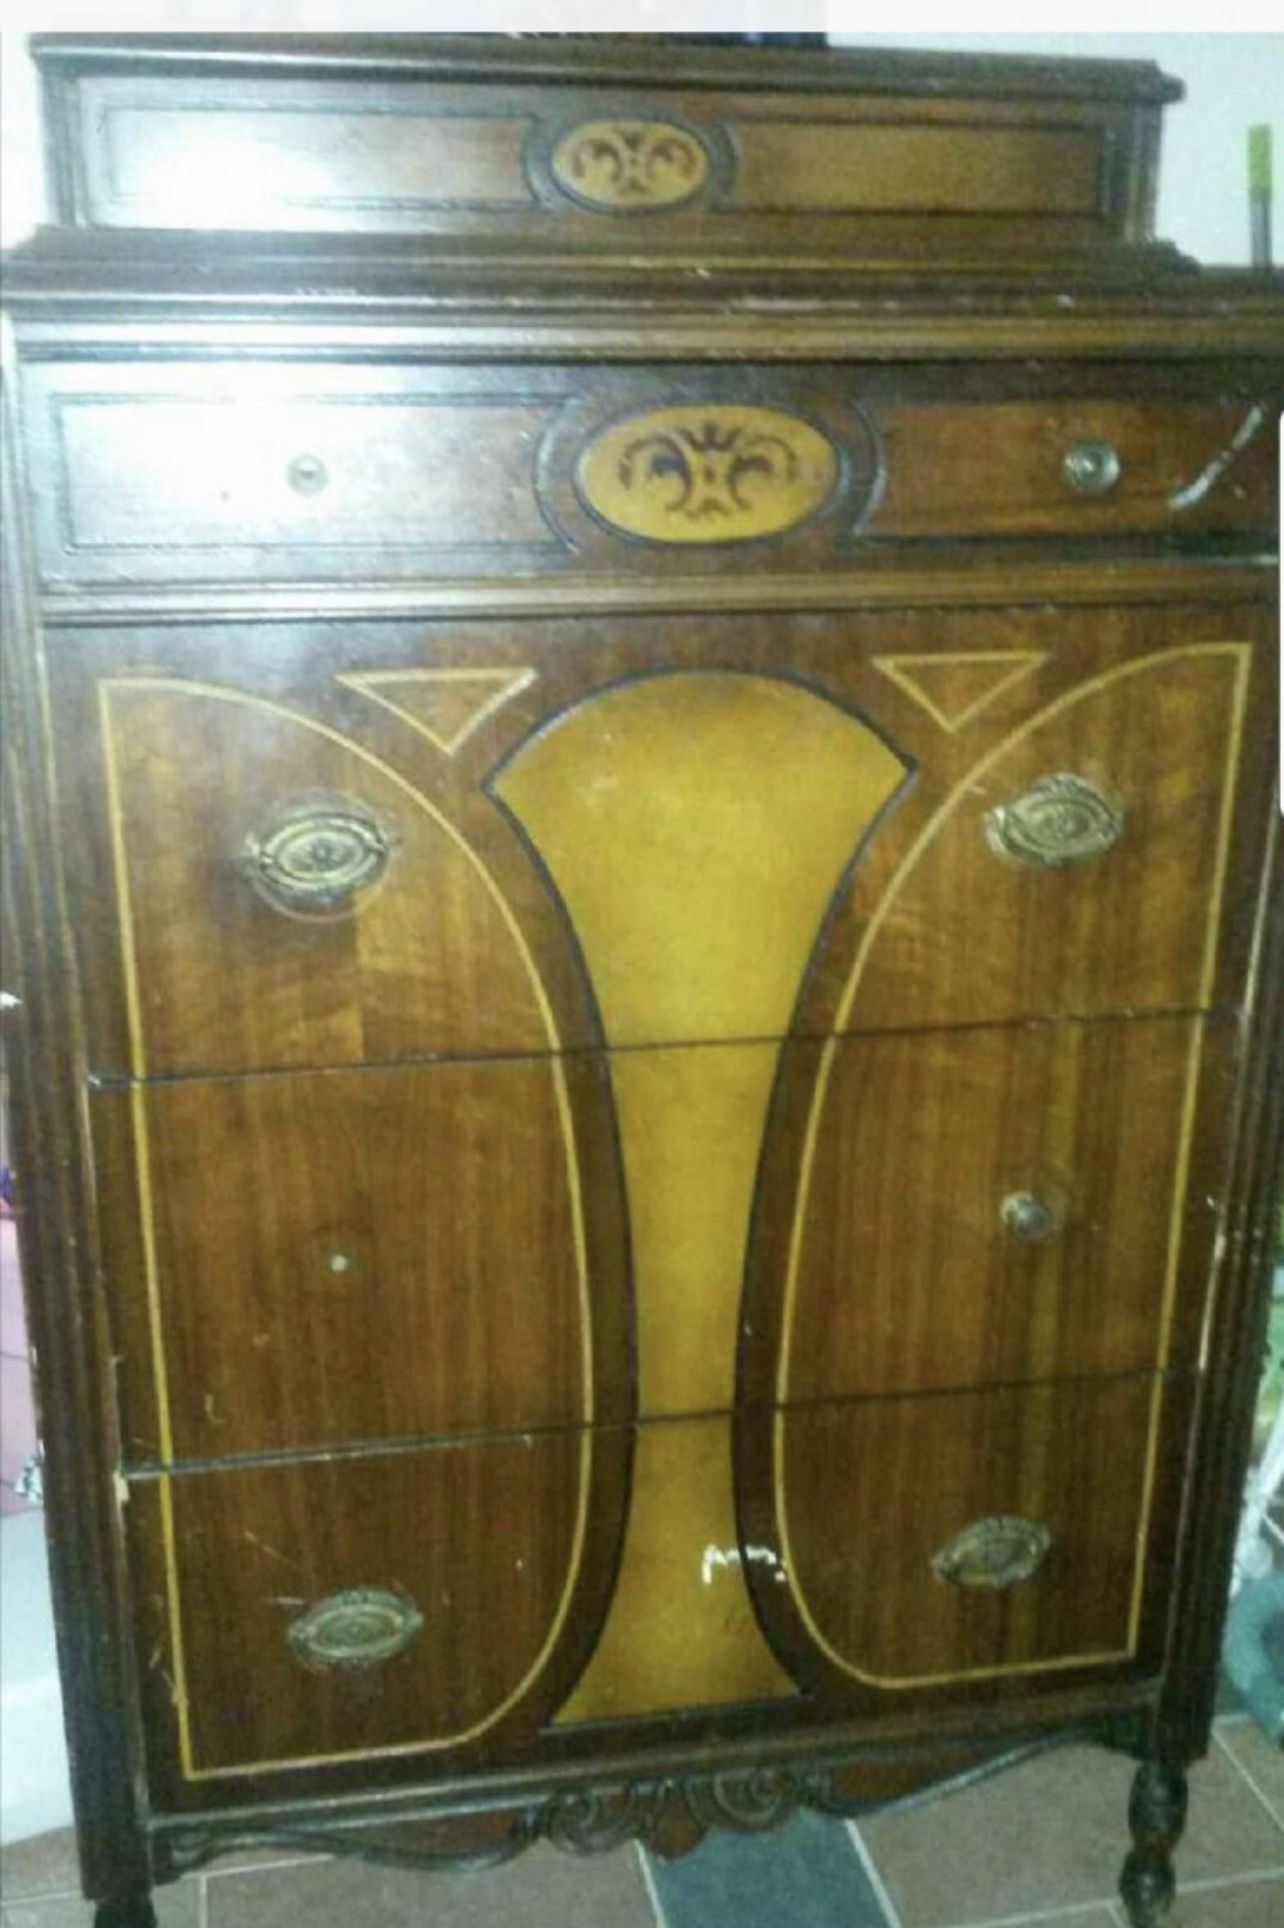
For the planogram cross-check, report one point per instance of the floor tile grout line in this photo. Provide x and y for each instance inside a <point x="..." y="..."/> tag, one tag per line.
<point x="648" y="1879"/>
<point x="1066" y="1911"/>
<point x="890" y="1911"/>
<point x="1211" y="1884"/>
<point x="1246" y="1774"/>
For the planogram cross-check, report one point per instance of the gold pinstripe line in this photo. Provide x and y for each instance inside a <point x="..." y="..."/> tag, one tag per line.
<point x="1239" y="654"/>
<point x="182" y="687"/>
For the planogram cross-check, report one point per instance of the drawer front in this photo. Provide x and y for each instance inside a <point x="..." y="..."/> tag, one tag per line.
<point x="986" y="1206"/>
<point x="922" y="1544"/>
<point x="314" y="846"/>
<point x="341" y="1614"/>
<point x="254" y="472"/>
<point x="470" y="144"/>
<point x="323" y="1258"/>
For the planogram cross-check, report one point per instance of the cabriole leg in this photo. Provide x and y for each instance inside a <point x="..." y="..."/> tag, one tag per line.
<point x="1156" y="1816"/>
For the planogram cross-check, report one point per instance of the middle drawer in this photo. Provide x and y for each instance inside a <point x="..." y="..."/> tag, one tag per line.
<point x="479" y="1247"/>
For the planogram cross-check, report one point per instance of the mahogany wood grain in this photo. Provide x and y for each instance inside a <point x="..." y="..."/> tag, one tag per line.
<point x="229" y="723"/>
<point x="504" y="1549"/>
<point x="905" y="1276"/>
<point x="856" y="1498"/>
<point x="413" y="471"/>
<point x="371" y="1254"/>
<point x="459" y="142"/>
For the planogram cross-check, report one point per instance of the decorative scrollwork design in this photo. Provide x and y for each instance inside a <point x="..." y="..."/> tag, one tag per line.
<point x="720" y="473"/>
<point x="314" y="857"/>
<point x="1059" y="820"/>
<point x="627" y="166"/>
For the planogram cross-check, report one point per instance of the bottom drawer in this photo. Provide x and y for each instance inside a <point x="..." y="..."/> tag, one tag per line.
<point x="336" y="1613"/>
<point x="939" y="1540"/>
<point x="386" y="1615"/>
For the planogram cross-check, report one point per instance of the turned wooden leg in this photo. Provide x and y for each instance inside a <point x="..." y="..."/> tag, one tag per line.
<point x="1156" y="1816"/>
<point x="126" y="1911"/>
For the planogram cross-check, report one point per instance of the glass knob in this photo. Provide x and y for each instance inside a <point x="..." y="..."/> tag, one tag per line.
<point x="307" y="474"/>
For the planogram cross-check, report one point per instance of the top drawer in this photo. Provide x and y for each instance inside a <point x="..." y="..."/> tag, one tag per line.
<point x="615" y="148"/>
<point x="258" y="472"/>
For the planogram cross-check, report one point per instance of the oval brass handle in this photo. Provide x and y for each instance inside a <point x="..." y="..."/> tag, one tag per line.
<point x="1030" y="1220"/>
<point x="313" y="858"/>
<point x="1059" y="820"/>
<point x="993" y="1553"/>
<point x="1091" y="468"/>
<point x="361" y="1627"/>
<point x="307" y="474"/>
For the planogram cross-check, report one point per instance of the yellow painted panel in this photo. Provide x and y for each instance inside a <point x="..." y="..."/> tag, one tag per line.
<point x="682" y="1631"/>
<point x="697" y="826"/>
<point x="717" y="473"/>
<point x="691" y="1126"/>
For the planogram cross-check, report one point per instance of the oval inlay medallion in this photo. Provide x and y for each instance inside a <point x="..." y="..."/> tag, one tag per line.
<point x="624" y="165"/>
<point x="358" y="1628"/>
<point x="714" y="473"/>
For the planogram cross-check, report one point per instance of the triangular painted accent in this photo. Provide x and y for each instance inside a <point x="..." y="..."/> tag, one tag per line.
<point x="445" y="705"/>
<point x="954" y="688"/>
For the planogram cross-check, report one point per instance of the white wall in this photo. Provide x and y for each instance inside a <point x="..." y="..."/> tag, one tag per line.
<point x="1233" y="80"/>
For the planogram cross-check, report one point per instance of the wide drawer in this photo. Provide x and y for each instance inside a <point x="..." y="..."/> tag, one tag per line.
<point x="315" y="845"/>
<point x="319" y="1617"/>
<point x="987" y="1206"/>
<point x="260" y="471"/>
<point x="614" y="147"/>
<point x="363" y="1255"/>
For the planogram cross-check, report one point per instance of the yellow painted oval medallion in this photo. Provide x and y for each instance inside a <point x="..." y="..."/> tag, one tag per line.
<point x="625" y="165"/>
<point x="720" y="472"/>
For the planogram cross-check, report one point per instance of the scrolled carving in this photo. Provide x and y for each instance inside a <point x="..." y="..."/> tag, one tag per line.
<point x="629" y="166"/>
<point x="1059" y="820"/>
<point x="360" y="1627"/>
<point x="314" y="857"/>
<point x="993" y="1553"/>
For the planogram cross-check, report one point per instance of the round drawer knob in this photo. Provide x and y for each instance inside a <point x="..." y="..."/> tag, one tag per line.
<point x="1092" y="468"/>
<point x="307" y="475"/>
<point x="1027" y="1219"/>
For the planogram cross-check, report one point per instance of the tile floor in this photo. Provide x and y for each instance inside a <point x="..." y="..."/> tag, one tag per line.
<point x="1039" y="1844"/>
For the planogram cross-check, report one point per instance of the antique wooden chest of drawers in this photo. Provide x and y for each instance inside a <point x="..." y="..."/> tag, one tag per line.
<point x="642" y="783"/>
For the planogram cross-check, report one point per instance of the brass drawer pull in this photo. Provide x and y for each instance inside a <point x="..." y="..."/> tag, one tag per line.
<point x="1059" y="820"/>
<point x="307" y="475"/>
<point x="313" y="858"/>
<point x="993" y="1553"/>
<point x="1092" y="468"/>
<point x="1029" y="1220"/>
<point x="361" y="1627"/>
